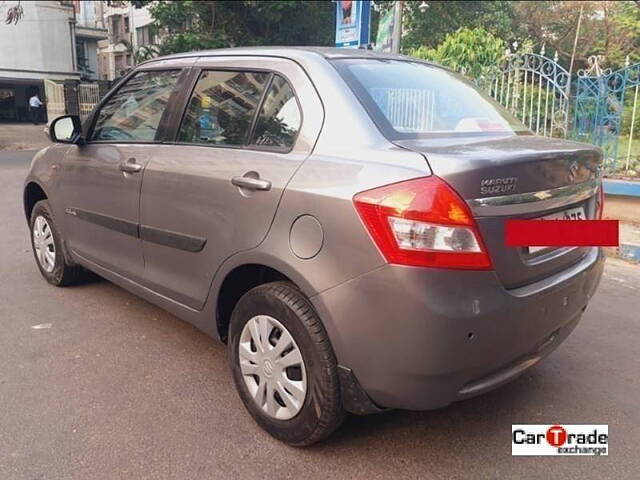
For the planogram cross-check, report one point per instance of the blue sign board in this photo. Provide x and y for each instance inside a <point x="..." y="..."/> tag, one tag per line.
<point x="353" y="22"/>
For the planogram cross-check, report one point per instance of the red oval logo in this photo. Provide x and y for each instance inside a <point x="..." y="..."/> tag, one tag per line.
<point x="556" y="436"/>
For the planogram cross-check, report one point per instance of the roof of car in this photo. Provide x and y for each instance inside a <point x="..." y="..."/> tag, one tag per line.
<point x="293" y="53"/>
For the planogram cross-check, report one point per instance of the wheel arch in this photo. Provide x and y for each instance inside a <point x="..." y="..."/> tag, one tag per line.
<point x="236" y="283"/>
<point x="32" y="194"/>
<point x="247" y="273"/>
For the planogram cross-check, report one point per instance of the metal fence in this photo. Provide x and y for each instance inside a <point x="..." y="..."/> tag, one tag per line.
<point x="54" y="93"/>
<point x="606" y="110"/>
<point x="71" y="98"/>
<point x="88" y="97"/>
<point x="407" y="109"/>
<point x="536" y="90"/>
<point x="595" y="106"/>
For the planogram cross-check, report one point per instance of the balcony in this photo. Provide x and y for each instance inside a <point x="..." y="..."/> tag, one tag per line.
<point x="83" y="31"/>
<point x="116" y="38"/>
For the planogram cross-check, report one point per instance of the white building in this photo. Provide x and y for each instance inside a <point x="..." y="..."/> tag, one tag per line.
<point x="40" y="46"/>
<point x="129" y="29"/>
<point x="89" y="29"/>
<point x="53" y="41"/>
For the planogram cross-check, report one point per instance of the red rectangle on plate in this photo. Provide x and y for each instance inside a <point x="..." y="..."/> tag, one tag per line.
<point x="561" y="233"/>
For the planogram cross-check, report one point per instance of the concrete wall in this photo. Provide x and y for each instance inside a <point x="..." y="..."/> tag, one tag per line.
<point x="92" y="56"/>
<point x="623" y="208"/>
<point x="140" y="17"/>
<point x="90" y="14"/>
<point x="41" y="45"/>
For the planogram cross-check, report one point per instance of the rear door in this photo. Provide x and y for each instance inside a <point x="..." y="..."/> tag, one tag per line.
<point x="101" y="179"/>
<point x="248" y="124"/>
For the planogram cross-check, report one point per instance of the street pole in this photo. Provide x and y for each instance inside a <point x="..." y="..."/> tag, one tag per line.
<point x="573" y="56"/>
<point x="397" y="26"/>
<point x="575" y="41"/>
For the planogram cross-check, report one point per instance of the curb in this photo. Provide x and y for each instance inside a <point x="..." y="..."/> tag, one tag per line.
<point x="629" y="252"/>
<point x="621" y="187"/>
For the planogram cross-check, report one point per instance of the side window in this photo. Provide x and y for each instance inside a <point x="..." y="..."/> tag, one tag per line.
<point x="222" y="107"/>
<point x="133" y="113"/>
<point x="280" y="117"/>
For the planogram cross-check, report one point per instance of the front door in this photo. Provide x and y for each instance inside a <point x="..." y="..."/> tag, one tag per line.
<point x="215" y="190"/>
<point x="101" y="179"/>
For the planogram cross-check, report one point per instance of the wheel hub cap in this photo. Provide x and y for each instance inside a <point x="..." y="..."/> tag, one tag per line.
<point x="268" y="368"/>
<point x="272" y="367"/>
<point x="45" y="247"/>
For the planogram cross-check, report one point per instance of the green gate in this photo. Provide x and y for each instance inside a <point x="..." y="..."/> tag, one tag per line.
<point x="606" y="111"/>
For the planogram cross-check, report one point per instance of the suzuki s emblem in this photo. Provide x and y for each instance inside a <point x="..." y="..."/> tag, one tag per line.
<point x="573" y="171"/>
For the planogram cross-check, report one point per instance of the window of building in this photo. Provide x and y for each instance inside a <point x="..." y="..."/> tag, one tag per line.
<point x="115" y="25"/>
<point x="133" y="113"/>
<point x="222" y="108"/>
<point x="144" y="36"/>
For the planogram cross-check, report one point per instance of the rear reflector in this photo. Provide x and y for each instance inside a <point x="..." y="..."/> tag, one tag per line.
<point x="422" y="222"/>
<point x="561" y="233"/>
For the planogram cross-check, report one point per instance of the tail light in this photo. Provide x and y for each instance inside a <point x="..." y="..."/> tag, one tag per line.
<point x="423" y="222"/>
<point x="600" y="202"/>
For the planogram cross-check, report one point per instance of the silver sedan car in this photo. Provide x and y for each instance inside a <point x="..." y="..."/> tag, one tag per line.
<point x="336" y="216"/>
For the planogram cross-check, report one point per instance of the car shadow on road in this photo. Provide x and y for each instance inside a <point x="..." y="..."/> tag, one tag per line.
<point x="463" y="427"/>
<point x="466" y="428"/>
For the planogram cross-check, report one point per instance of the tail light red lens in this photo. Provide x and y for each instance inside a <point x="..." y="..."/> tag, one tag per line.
<point x="423" y="222"/>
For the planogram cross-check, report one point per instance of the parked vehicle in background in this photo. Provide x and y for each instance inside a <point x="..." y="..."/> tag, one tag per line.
<point x="336" y="216"/>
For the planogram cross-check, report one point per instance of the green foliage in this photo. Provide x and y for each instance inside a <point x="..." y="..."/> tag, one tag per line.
<point x="141" y="54"/>
<point x="627" y="114"/>
<point x="428" y="27"/>
<point x="196" y="25"/>
<point x="474" y="52"/>
<point x="611" y="29"/>
<point x="626" y="33"/>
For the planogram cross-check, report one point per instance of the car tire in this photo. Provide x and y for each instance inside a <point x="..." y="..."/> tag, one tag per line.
<point x="47" y="245"/>
<point x="296" y="420"/>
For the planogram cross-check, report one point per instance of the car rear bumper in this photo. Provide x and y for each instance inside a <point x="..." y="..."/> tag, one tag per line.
<point x="419" y="338"/>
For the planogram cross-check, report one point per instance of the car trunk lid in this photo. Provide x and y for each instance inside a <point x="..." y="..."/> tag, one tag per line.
<point x="517" y="176"/>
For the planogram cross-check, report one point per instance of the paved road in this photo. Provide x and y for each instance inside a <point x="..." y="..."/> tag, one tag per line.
<point x="117" y="388"/>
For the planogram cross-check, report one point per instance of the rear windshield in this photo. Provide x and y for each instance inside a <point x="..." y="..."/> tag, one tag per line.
<point x="412" y="100"/>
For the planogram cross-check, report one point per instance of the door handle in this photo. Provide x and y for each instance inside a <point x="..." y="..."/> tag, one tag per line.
<point x="251" y="183"/>
<point x="130" y="166"/>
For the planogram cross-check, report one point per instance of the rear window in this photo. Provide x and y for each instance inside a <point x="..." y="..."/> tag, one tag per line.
<point x="412" y="100"/>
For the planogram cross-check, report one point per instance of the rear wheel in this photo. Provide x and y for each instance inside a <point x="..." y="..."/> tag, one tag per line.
<point x="46" y="241"/>
<point x="283" y="365"/>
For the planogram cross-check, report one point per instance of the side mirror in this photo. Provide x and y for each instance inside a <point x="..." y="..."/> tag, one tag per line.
<point x="66" y="129"/>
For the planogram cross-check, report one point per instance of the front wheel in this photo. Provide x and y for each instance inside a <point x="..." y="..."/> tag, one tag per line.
<point x="46" y="241"/>
<point x="283" y="365"/>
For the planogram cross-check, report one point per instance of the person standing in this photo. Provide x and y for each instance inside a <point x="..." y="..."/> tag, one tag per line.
<point x="34" y="107"/>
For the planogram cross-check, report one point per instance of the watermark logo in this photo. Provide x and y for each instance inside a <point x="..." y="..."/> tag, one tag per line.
<point x="560" y="440"/>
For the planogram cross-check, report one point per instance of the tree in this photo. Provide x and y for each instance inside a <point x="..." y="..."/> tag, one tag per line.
<point x="474" y="52"/>
<point x="426" y="24"/>
<point x="140" y="54"/>
<point x="611" y="29"/>
<point x="195" y="25"/>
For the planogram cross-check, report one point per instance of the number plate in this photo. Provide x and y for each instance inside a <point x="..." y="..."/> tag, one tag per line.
<point x="569" y="214"/>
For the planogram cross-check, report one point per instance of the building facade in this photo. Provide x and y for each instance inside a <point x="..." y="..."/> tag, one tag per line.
<point x="130" y="29"/>
<point x="57" y="42"/>
<point x="89" y="30"/>
<point x="40" y="47"/>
